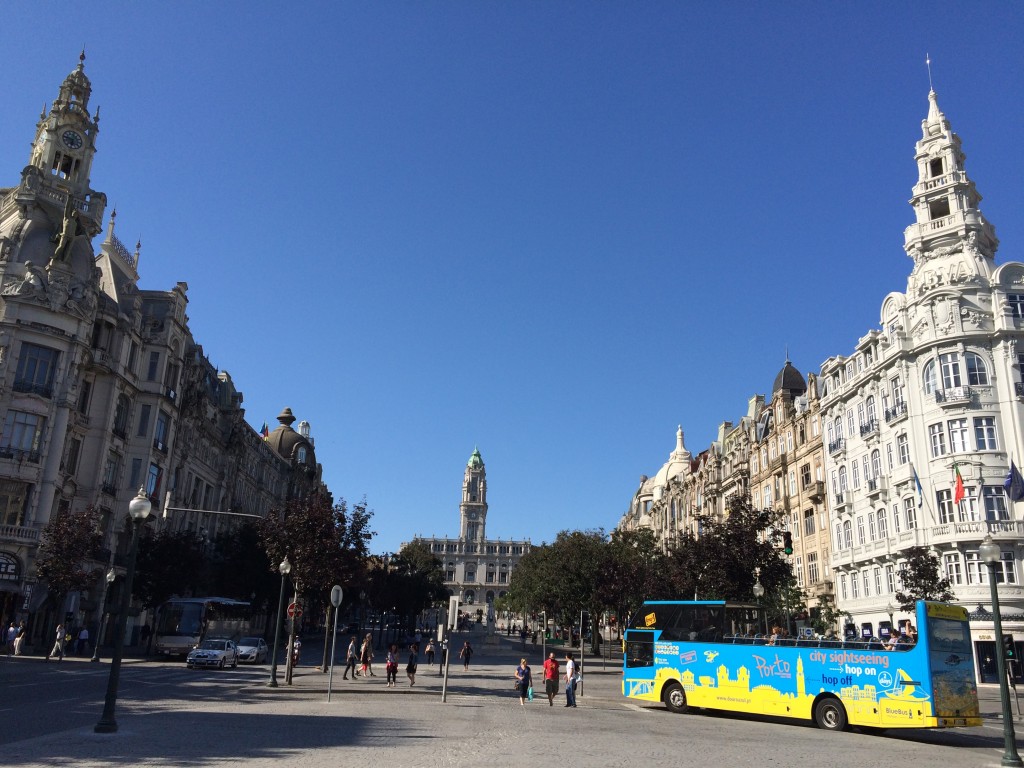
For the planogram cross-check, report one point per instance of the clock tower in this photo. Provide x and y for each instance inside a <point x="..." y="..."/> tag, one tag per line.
<point x="473" y="508"/>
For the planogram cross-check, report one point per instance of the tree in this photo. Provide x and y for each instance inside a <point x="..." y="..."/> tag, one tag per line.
<point x="632" y="571"/>
<point x="242" y="570"/>
<point x="169" y="563"/>
<point x="921" y="581"/>
<point x="410" y="581"/>
<point x="67" y="542"/>
<point x="728" y="555"/>
<point x="326" y="544"/>
<point x="826" y="615"/>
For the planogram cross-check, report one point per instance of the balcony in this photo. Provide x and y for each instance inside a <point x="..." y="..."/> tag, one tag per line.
<point x="120" y="432"/>
<point x="160" y="445"/>
<point x="841" y="501"/>
<point x="836" y="446"/>
<point x="24" y="385"/>
<point x="1018" y="389"/>
<point x="109" y="488"/>
<point x="869" y="428"/>
<point x="816" y="490"/>
<point x="897" y="412"/>
<point x="878" y="487"/>
<point x="953" y="396"/>
<point x="171" y="395"/>
<point x="18" y="534"/>
<point x="16" y="454"/>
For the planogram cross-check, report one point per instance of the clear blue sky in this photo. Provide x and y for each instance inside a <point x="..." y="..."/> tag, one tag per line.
<point x="551" y="230"/>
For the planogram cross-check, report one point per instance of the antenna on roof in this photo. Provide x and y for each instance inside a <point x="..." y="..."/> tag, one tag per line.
<point x="928" y="63"/>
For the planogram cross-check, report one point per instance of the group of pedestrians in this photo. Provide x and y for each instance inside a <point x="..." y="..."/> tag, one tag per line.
<point x="362" y="655"/>
<point x="572" y="676"/>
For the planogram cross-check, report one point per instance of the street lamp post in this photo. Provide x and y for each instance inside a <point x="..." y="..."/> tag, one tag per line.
<point x="108" y="579"/>
<point x="992" y="556"/>
<point x="285" y="568"/>
<point x="289" y="667"/>
<point x="139" y="509"/>
<point x="759" y="593"/>
<point x="891" y="609"/>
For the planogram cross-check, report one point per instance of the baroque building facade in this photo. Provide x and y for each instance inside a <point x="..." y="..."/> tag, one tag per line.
<point x="103" y="390"/>
<point x="476" y="569"/>
<point x="932" y="394"/>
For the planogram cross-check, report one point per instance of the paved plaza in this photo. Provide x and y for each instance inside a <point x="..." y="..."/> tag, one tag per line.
<point x="234" y="717"/>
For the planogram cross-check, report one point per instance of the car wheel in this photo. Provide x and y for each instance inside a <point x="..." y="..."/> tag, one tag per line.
<point x="221" y="665"/>
<point x="830" y="715"/>
<point x="675" y="698"/>
<point x="234" y="664"/>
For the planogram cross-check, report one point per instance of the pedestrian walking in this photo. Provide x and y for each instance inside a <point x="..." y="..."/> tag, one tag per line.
<point x="366" y="656"/>
<point x="391" y="665"/>
<point x="410" y="668"/>
<point x="351" y="657"/>
<point x="466" y="654"/>
<point x="551" y="678"/>
<point x="58" y="645"/>
<point x="19" y="640"/>
<point x="524" y="682"/>
<point x="429" y="651"/>
<point x="570" y="681"/>
<point x="9" y="637"/>
<point x="83" y="642"/>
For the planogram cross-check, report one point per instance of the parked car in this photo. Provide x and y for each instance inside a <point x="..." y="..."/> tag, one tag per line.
<point x="213" y="653"/>
<point x="253" y="649"/>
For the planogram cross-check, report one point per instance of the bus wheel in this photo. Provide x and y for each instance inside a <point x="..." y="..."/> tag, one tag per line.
<point x="830" y="715"/>
<point x="675" y="698"/>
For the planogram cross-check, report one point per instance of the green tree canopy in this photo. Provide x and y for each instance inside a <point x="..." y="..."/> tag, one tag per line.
<point x="169" y="563"/>
<point x="921" y="580"/>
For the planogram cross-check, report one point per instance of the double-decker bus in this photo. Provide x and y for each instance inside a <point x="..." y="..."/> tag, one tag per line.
<point x="182" y="623"/>
<point x="712" y="654"/>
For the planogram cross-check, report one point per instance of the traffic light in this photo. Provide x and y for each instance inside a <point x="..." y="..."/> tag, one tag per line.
<point x="787" y="542"/>
<point x="1009" y="649"/>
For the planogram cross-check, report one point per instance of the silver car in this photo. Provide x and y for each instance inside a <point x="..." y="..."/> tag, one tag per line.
<point x="213" y="653"/>
<point x="253" y="649"/>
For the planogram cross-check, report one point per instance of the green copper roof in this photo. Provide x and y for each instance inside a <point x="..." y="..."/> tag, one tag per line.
<point x="475" y="460"/>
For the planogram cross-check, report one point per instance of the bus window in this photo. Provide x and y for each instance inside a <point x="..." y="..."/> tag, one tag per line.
<point x="640" y="649"/>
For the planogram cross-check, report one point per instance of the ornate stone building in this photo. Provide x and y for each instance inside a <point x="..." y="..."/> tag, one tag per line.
<point x="935" y="390"/>
<point x="103" y="390"/>
<point x="476" y="569"/>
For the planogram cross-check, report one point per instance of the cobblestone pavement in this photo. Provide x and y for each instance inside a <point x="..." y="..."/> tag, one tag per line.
<point x="482" y="723"/>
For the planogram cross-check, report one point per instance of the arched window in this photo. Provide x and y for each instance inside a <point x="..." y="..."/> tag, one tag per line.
<point x="871" y="409"/>
<point x="977" y="371"/>
<point x="876" y="463"/>
<point x="470" y="597"/>
<point x="928" y="377"/>
<point x="838" y="426"/>
<point x="847" y="534"/>
<point x="883" y="527"/>
<point x="300" y="456"/>
<point x="842" y="479"/>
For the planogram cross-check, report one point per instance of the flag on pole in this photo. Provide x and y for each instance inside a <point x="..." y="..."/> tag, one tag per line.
<point x="920" y="490"/>
<point x="958" y="492"/>
<point x="1014" y="483"/>
<point x="264" y="432"/>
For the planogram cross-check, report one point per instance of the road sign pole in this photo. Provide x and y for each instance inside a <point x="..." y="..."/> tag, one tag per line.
<point x="336" y="604"/>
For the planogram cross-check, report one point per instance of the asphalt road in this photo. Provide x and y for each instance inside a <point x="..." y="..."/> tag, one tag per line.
<point x="171" y="716"/>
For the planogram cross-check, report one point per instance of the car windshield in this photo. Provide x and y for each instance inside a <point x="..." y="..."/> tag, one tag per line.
<point x="213" y="645"/>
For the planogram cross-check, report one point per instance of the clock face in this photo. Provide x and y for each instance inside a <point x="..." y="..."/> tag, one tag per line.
<point x="472" y="515"/>
<point x="71" y="139"/>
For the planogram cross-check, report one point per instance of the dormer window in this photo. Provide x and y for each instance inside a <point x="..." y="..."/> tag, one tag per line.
<point x="300" y="456"/>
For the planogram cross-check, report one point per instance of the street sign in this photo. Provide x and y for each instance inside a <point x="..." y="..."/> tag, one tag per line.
<point x="335" y="595"/>
<point x="294" y="611"/>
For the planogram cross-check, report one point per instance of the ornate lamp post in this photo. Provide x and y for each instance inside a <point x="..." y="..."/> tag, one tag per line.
<point x="285" y="568"/>
<point x="139" y="509"/>
<point x="891" y="609"/>
<point x="991" y="556"/>
<point x="108" y="579"/>
<point x="758" y="594"/>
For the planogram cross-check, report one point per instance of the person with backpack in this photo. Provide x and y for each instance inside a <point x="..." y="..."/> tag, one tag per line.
<point x="351" y="658"/>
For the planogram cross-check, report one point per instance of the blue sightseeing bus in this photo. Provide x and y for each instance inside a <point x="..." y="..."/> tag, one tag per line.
<point x="710" y="654"/>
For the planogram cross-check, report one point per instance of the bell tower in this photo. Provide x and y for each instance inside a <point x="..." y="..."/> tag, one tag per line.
<point x="473" y="509"/>
<point x="945" y="203"/>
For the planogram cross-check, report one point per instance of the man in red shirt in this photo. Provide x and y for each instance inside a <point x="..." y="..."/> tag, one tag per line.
<point x="551" y="678"/>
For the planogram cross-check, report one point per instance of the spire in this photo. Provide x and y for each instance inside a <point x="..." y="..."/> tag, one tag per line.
<point x="110" y="226"/>
<point x="949" y="223"/>
<point x="680" y="448"/>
